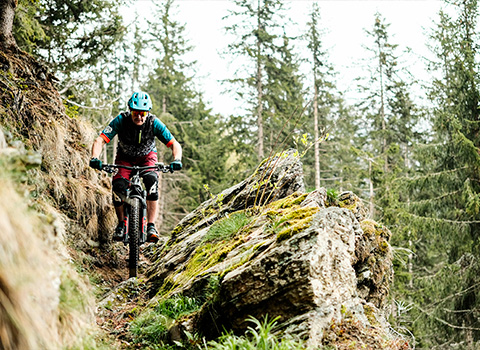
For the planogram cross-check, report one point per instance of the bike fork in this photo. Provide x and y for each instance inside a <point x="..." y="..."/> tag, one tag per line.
<point x="127" y="225"/>
<point x="143" y="229"/>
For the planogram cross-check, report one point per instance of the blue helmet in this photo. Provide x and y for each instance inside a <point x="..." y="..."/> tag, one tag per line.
<point x="140" y="101"/>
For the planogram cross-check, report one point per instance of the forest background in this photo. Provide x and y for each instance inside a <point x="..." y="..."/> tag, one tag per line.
<point x="408" y="147"/>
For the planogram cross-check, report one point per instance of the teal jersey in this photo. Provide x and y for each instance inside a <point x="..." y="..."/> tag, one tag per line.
<point x="134" y="140"/>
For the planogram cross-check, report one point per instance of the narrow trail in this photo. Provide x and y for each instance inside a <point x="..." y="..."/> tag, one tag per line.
<point x="118" y="297"/>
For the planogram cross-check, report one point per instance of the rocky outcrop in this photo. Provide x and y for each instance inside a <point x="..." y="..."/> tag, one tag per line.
<point x="273" y="179"/>
<point x="266" y="247"/>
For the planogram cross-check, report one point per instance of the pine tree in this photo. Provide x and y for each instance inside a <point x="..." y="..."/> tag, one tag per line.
<point x="441" y="215"/>
<point x="83" y="43"/>
<point x="390" y="117"/>
<point x="68" y="34"/>
<point x="173" y="88"/>
<point x="28" y="29"/>
<point x="183" y="110"/>
<point x="284" y="117"/>
<point x="270" y="78"/>
<point x="325" y="114"/>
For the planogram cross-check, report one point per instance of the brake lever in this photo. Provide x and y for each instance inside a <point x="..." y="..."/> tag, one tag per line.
<point x="108" y="169"/>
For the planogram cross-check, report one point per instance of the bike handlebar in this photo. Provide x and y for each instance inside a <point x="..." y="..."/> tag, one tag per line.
<point x="110" y="168"/>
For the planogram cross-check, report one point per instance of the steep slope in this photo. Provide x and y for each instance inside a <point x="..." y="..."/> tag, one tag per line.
<point x="32" y="112"/>
<point x="56" y="200"/>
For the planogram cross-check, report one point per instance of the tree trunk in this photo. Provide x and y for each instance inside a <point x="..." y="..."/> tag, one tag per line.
<point x="7" y="13"/>
<point x="372" y="193"/>
<point x="382" y="111"/>
<point x="317" y="145"/>
<point x="259" y="92"/>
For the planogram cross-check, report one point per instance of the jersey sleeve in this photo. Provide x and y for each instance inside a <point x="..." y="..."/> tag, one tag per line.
<point x="162" y="132"/>
<point x="112" y="129"/>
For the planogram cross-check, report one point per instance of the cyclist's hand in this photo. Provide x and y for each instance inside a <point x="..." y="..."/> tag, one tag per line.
<point x="96" y="163"/>
<point x="176" y="165"/>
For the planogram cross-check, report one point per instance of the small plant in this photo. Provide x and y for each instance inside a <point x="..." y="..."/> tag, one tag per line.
<point x="71" y="110"/>
<point x="262" y="336"/>
<point x="218" y="198"/>
<point x="177" y="306"/>
<point x="332" y="197"/>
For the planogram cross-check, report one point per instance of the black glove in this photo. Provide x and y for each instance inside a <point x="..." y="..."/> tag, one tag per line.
<point x="176" y="165"/>
<point x="96" y="163"/>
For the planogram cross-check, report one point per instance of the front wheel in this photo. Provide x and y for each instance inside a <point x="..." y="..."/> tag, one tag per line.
<point x="134" y="232"/>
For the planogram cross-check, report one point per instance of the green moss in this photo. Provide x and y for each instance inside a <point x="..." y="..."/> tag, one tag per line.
<point x="383" y="232"/>
<point x="288" y="222"/>
<point x="348" y="204"/>
<point x="192" y="222"/>
<point x="242" y="261"/>
<point x="349" y="201"/>
<point x="288" y="202"/>
<point x="380" y="233"/>
<point x="205" y="256"/>
<point x="384" y="247"/>
<point x="290" y="231"/>
<point x="370" y="315"/>
<point x="177" y="229"/>
<point x="369" y="227"/>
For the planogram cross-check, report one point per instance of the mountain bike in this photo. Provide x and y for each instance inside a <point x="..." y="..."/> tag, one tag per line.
<point x="135" y="207"/>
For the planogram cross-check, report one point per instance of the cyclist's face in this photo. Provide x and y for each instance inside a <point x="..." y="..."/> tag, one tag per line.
<point x="139" y="117"/>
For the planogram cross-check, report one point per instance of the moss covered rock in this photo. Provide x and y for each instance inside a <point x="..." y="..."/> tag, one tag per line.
<point x="278" y="253"/>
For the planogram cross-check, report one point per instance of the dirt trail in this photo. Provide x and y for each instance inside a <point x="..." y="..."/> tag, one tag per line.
<point x="119" y="298"/>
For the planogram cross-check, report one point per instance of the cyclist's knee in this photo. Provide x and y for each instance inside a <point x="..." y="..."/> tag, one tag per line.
<point x="151" y="185"/>
<point x="119" y="186"/>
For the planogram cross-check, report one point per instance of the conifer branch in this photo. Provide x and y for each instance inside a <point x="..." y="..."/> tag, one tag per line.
<point x="445" y="322"/>
<point x="430" y="175"/>
<point x="436" y="199"/>
<point x="426" y="218"/>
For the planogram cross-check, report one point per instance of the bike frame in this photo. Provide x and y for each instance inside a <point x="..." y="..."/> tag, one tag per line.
<point x="135" y="208"/>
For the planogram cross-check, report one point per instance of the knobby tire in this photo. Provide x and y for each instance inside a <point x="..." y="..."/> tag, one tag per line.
<point x="133" y="240"/>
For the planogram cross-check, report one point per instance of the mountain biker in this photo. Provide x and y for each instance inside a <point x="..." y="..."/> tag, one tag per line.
<point x="136" y="130"/>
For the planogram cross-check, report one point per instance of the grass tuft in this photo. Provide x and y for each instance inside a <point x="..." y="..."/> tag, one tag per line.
<point x="227" y="228"/>
<point x="150" y="329"/>
<point x="263" y="335"/>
